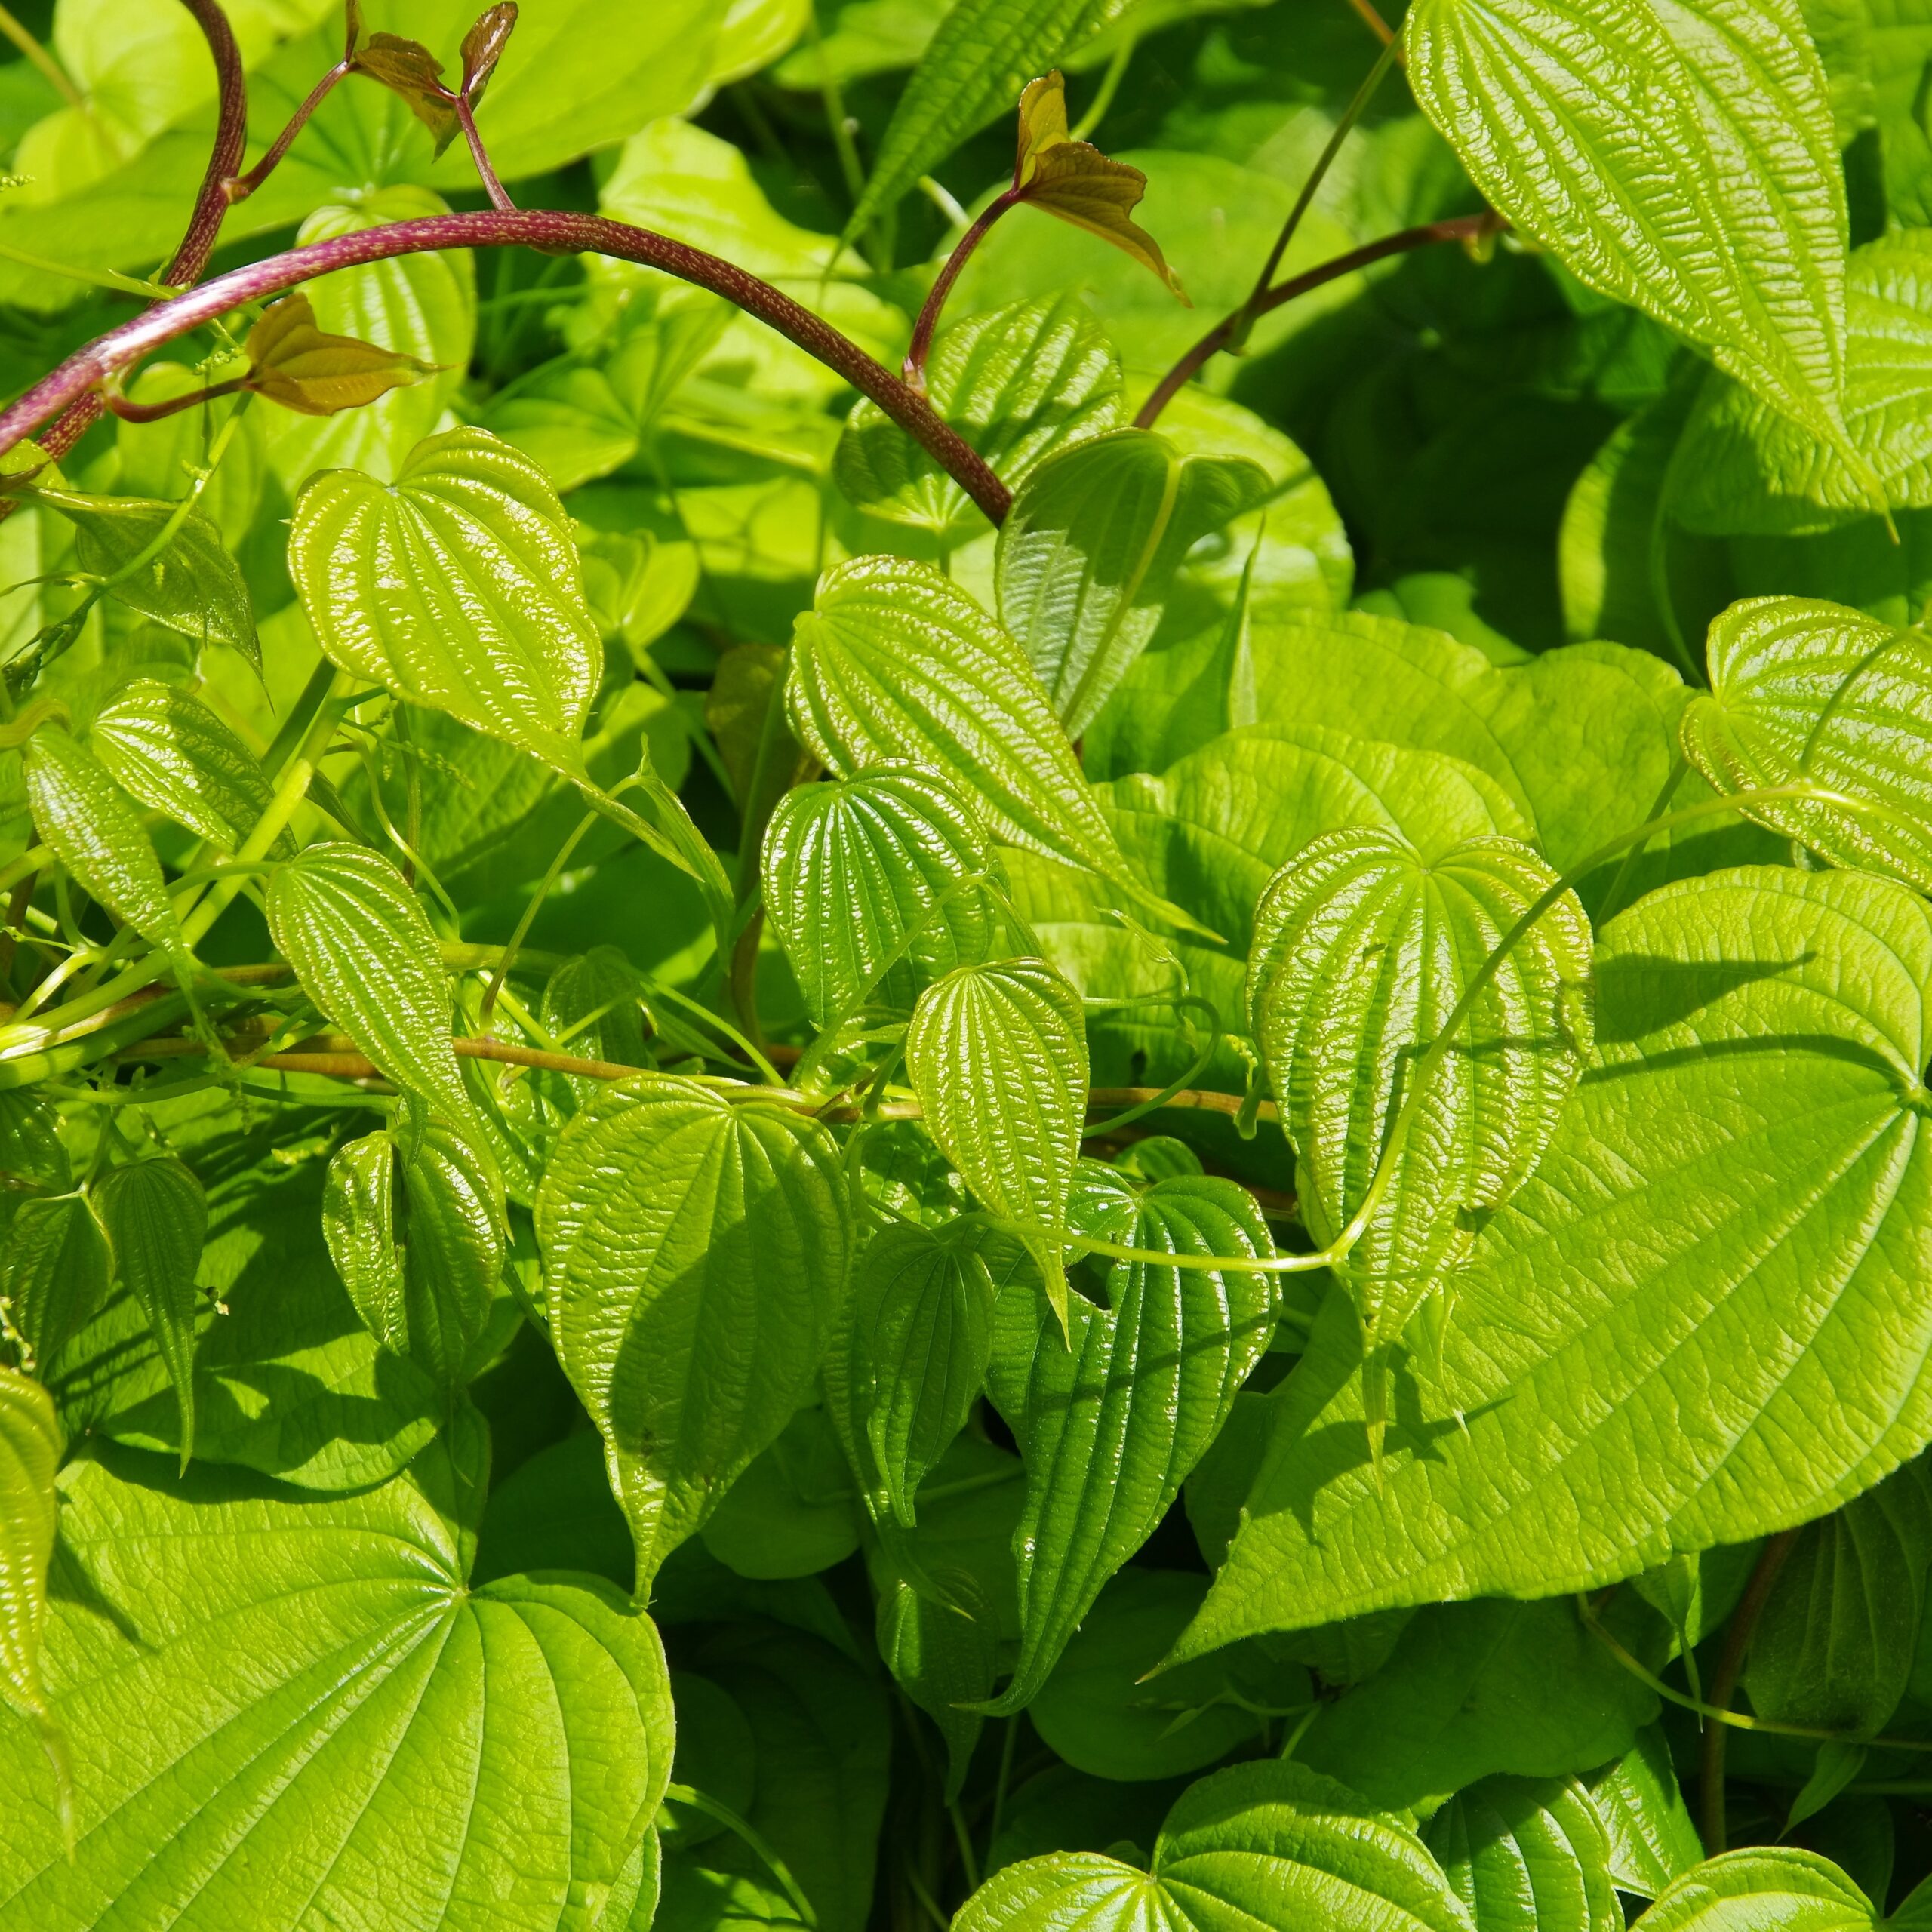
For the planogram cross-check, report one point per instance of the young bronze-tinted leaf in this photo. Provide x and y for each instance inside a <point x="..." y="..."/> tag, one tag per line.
<point x="1017" y="384"/>
<point x="458" y="587"/>
<point x="483" y="46"/>
<point x="1527" y="1855"/>
<point x="193" y="586"/>
<point x="1075" y="180"/>
<point x="1635" y="141"/>
<point x="343" y="916"/>
<point x="1271" y="1844"/>
<point x="998" y="1056"/>
<point x="695" y="1256"/>
<point x="1087" y="556"/>
<point x="1652" y="1840"/>
<point x="1765" y="1885"/>
<point x="1112" y="1412"/>
<point x="156" y="1216"/>
<point x="866" y="880"/>
<point x="164" y="746"/>
<point x="1806" y="693"/>
<point x="284" y="1707"/>
<point x="893" y="662"/>
<point x="54" y="1268"/>
<point x="1363" y="948"/>
<point x="87" y="823"/>
<point x="905" y="1367"/>
<point x="293" y="362"/>
<point x="408" y="68"/>
<point x="29" y="1455"/>
<point x="1835" y="1642"/>
<point x="422" y="1261"/>
<point x="1745" y="467"/>
<point x="1737" y="1200"/>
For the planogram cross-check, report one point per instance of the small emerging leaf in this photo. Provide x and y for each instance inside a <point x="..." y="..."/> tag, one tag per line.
<point x="483" y="46"/>
<point x="156" y="1216"/>
<point x="1075" y="180"/>
<point x="408" y="68"/>
<point x="293" y="362"/>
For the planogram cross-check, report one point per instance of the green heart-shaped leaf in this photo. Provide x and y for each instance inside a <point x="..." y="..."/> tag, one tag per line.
<point x="695" y="1256"/>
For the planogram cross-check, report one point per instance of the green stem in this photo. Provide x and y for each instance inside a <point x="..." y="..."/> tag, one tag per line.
<point x="1742" y="1627"/>
<point x="684" y="1794"/>
<point x="529" y="912"/>
<point x="1110" y="81"/>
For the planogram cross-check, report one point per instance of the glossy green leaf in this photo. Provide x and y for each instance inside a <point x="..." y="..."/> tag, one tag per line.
<point x="457" y="587"/>
<point x="1527" y="1855"/>
<point x="1475" y="1689"/>
<point x="1363" y="949"/>
<point x="998" y="1056"/>
<point x="328" y="1716"/>
<point x="1103" y="1712"/>
<point x="1805" y="692"/>
<point x="422" y="1261"/>
<point x="361" y="944"/>
<point x="156" y="1216"/>
<point x="696" y="1256"/>
<point x="192" y="586"/>
<point x="88" y="824"/>
<point x="868" y="882"/>
<point x="1836" y="1641"/>
<point x="1112" y="1415"/>
<point x="905" y="1367"/>
<point x="1017" y="384"/>
<point x="1765" y="1885"/>
<point x="1652" y="1840"/>
<point x="29" y="1454"/>
<point x="1634" y="141"/>
<point x="54" y="1268"/>
<point x="1744" y="467"/>
<point x="31" y="1157"/>
<point x="1269" y="1844"/>
<point x="1733" y="1201"/>
<point x="1089" y="554"/>
<point x="983" y="53"/>
<point x="175" y="754"/>
<point x="894" y="662"/>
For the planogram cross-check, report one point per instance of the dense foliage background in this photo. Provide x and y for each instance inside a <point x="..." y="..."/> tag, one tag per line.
<point x="875" y="944"/>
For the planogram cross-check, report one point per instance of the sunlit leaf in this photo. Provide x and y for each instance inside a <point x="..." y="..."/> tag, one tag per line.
<point x="695" y="1256"/>
<point x="175" y="755"/>
<point x="1807" y="692"/>
<point x="362" y="947"/>
<point x="1527" y="1855"/>
<point x="998" y="1056"/>
<point x="54" y="1265"/>
<point x="869" y="884"/>
<point x="1765" y="1885"/>
<point x="1111" y="1414"/>
<point x="1363" y="949"/>
<point x="29" y="1454"/>
<point x="156" y="1217"/>
<point x="1635" y="141"/>
<point x="1089" y="554"/>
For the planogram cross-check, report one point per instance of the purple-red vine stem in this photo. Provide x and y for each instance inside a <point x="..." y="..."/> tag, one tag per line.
<point x="110" y="355"/>
<point x="929" y="311"/>
<point x="1459" y="227"/>
<point x="231" y="138"/>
